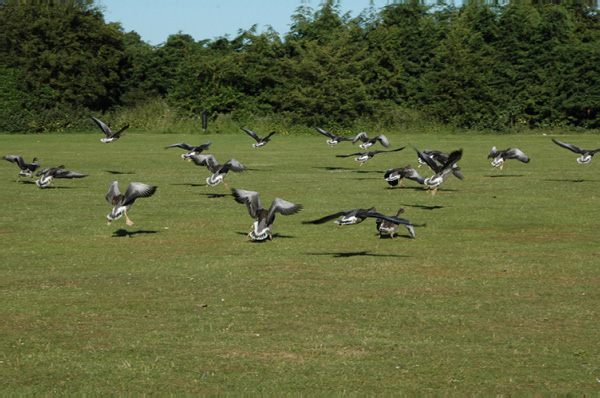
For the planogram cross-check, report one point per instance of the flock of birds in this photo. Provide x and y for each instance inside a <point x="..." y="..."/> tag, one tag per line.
<point x="442" y="164"/>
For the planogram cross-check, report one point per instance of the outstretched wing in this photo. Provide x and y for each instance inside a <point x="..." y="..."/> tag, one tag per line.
<point x="570" y="147"/>
<point x="16" y="159"/>
<point x="283" y="207"/>
<point x="183" y="145"/>
<point x="113" y="196"/>
<point x="515" y="153"/>
<point x="391" y="150"/>
<point x="269" y="136"/>
<point x="103" y="127"/>
<point x="352" y="154"/>
<point x="137" y="190"/>
<point x="376" y="214"/>
<point x="252" y="134"/>
<point x="250" y="198"/>
<point x="493" y="153"/>
<point x="233" y="165"/>
<point x="324" y="132"/>
<point x="204" y="146"/>
<point x="329" y="217"/>
<point x="383" y="140"/>
<point x="361" y="136"/>
<point x="452" y="159"/>
<point x="428" y="160"/>
<point x="412" y="174"/>
<point x="68" y="174"/>
<point x="118" y="133"/>
<point x="208" y="161"/>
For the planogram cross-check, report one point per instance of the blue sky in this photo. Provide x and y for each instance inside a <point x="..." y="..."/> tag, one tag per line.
<point x="155" y="20"/>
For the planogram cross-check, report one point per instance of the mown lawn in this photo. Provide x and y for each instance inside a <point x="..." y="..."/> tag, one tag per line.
<point x="499" y="292"/>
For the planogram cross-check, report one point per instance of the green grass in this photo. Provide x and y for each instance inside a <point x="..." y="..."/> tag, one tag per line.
<point x="498" y="293"/>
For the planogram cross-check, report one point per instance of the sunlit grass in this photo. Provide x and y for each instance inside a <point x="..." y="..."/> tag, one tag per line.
<point x="498" y="293"/>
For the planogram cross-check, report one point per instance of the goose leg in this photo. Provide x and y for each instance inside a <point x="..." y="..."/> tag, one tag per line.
<point x="128" y="221"/>
<point x="434" y="191"/>
<point x="392" y="235"/>
<point x="226" y="186"/>
<point x="501" y="165"/>
<point x="18" y="179"/>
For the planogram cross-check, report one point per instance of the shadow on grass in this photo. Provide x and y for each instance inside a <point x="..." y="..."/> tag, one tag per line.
<point x="355" y="254"/>
<point x="27" y="182"/>
<point x="413" y="188"/>
<point x="118" y="172"/>
<point x="505" y="175"/>
<point x="215" y="195"/>
<point x="275" y="236"/>
<point x="424" y="207"/>
<point x="120" y="233"/>
<point x="332" y="168"/>
<point x="566" y="180"/>
<point x="191" y="185"/>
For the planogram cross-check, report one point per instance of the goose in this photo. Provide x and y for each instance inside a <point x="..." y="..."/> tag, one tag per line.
<point x="263" y="226"/>
<point x="511" y="153"/>
<point x="335" y="139"/>
<point x="395" y="176"/>
<point x="367" y="142"/>
<point x="388" y="227"/>
<point x="259" y="141"/>
<point x="442" y="171"/>
<point x="122" y="203"/>
<point x="586" y="154"/>
<point x="364" y="156"/>
<point x="192" y="150"/>
<point x="48" y="175"/>
<point x="441" y="158"/>
<point x="27" y="169"/>
<point x="110" y="136"/>
<point x="356" y="216"/>
<point x="219" y="171"/>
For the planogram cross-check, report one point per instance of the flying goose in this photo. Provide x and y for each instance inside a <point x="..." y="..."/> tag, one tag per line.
<point x="501" y="156"/>
<point x="586" y="154"/>
<point x="27" y="169"/>
<point x="48" y="175"/>
<point x="388" y="227"/>
<point x="192" y="150"/>
<point x="219" y="171"/>
<point x="335" y="139"/>
<point x="441" y="158"/>
<point x="367" y="142"/>
<point x="364" y="156"/>
<point x="395" y="176"/>
<point x="122" y="203"/>
<point x="259" y="141"/>
<point x="110" y="136"/>
<point x="262" y="228"/>
<point x="356" y="216"/>
<point x="442" y="171"/>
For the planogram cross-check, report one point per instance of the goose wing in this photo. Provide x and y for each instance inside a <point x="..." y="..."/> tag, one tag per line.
<point x="103" y="127"/>
<point x="207" y="161"/>
<point x="233" y="165"/>
<point x="412" y="174"/>
<point x="325" y="133"/>
<point x="391" y="150"/>
<point x="330" y="217"/>
<point x="137" y="190"/>
<point x="252" y="134"/>
<point x="183" y="145"/>
<point x="428" y="160"/>
<point x="352" y="154"/>
<point x="395" y="220"/>
<point x="113" y="196"/>
<point x="269" y="136"/>
<point x="361" y="136"/>
<point x="250" y="198"/>
<point x="118" y="133"/>
<point x="515" y="153"/>
<point x="570" y="147"/>
<point x="283" y="207"/>
<point x="452" y="159"/>
<point x="493" y="152"/>
<point x="383" y="140"/>
<point x="68" y="174"/>
<point x="16" y="159"/>
<point x="203" y="146"/>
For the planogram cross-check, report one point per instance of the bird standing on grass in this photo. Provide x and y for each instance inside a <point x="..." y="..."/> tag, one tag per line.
<point x="586" y="154"/>
<point x="367" y="142"/>
<point x="192" y="150"/>
<point x="334" y="139"/>
<point x="364" y="156"/>
<point x="263" y="226"/>
<point x="259" y="141"/>
<point x="511" y="153"/>
<point x="122" y="203"/>
<point x="110" y="136"/>
<point x="48" y="175"/>
<point x="219" y="171"/>
<point x="27" y="169"/>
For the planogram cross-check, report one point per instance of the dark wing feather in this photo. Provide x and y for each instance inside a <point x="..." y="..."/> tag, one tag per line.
<point x="352" y="154"/>
<point x="16" y="159"/>
<point x="233" y="165"/>
<point x="68" y="174"/>
<point x="452" y="159"/>
<point x="283" y="207"/>
<point x="183" y="145"/>
<point x="250" y="198"/>
<point x="383" y="140"/>
<point x="137" y="190"/>
<point x="428" y="160"/>
<point x="207" y="161"/>
<point x="570" y="147"/>
<point x="113" y="196"/>
<point x="329" y="217"/>
<point x="103" y="127"/>
<point x="515" y="153"/>
<point x="391" y="150"/>
<point x="375" y="214"/>
<point x="412" y="174"/>
<point x="118" y="133"/>
<point x="269" y="136"/>
<point x="252" y="134"/>
<point x="361" y="136"/>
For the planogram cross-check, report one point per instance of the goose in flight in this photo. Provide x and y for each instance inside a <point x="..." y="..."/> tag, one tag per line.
<point x="219" y="171"/>
<point x="367" y="142"/>
<point x="110" y="136"/>
<point x="262" y="228"/>
<point x="27" y="169"/>
<point x="395" y="176"/>
<point x="334" y="139"/>
<point x="259" y="141"/>
<point x="586" y="154"/>
<point x="48" y="175"/>
<point x="441" y="158"/>
<point x="388" y="227"/>
<point x="442" y="171"/>
<point x="122" y="203"/>
<point x="192" y="150"/>
<point x="356" y="216"/>
<point x="511" y="153"/>
<point x="364" y="156"/>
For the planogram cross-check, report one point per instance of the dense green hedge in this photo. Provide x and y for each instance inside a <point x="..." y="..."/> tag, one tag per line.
<point x="477" y="66"/>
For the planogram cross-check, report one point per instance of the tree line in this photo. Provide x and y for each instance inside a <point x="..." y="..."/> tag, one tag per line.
<point x="477" y="66"/>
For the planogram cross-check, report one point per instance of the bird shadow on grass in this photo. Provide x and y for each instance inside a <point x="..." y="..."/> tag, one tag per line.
<point x="388" y="236"/>
<point x="567" y="180"/>
<point x="275" y="236"/>
<point x="355" y="254"/>
<point x="369" y="171"/>
<point x="27" y="182"/>
<point x="191" y="185"/>
<point x="413" y="188"/>
<point x="505" y="175"/>
<point x="333" y="168"/>
<point x="121" y="233"/>
<point x="215" y="195"/>
<point x="118" y="172"/>
<point x="424" y="207"/>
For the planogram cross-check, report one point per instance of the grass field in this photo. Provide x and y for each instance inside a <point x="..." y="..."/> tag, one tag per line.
<point x="498" y="293"/>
